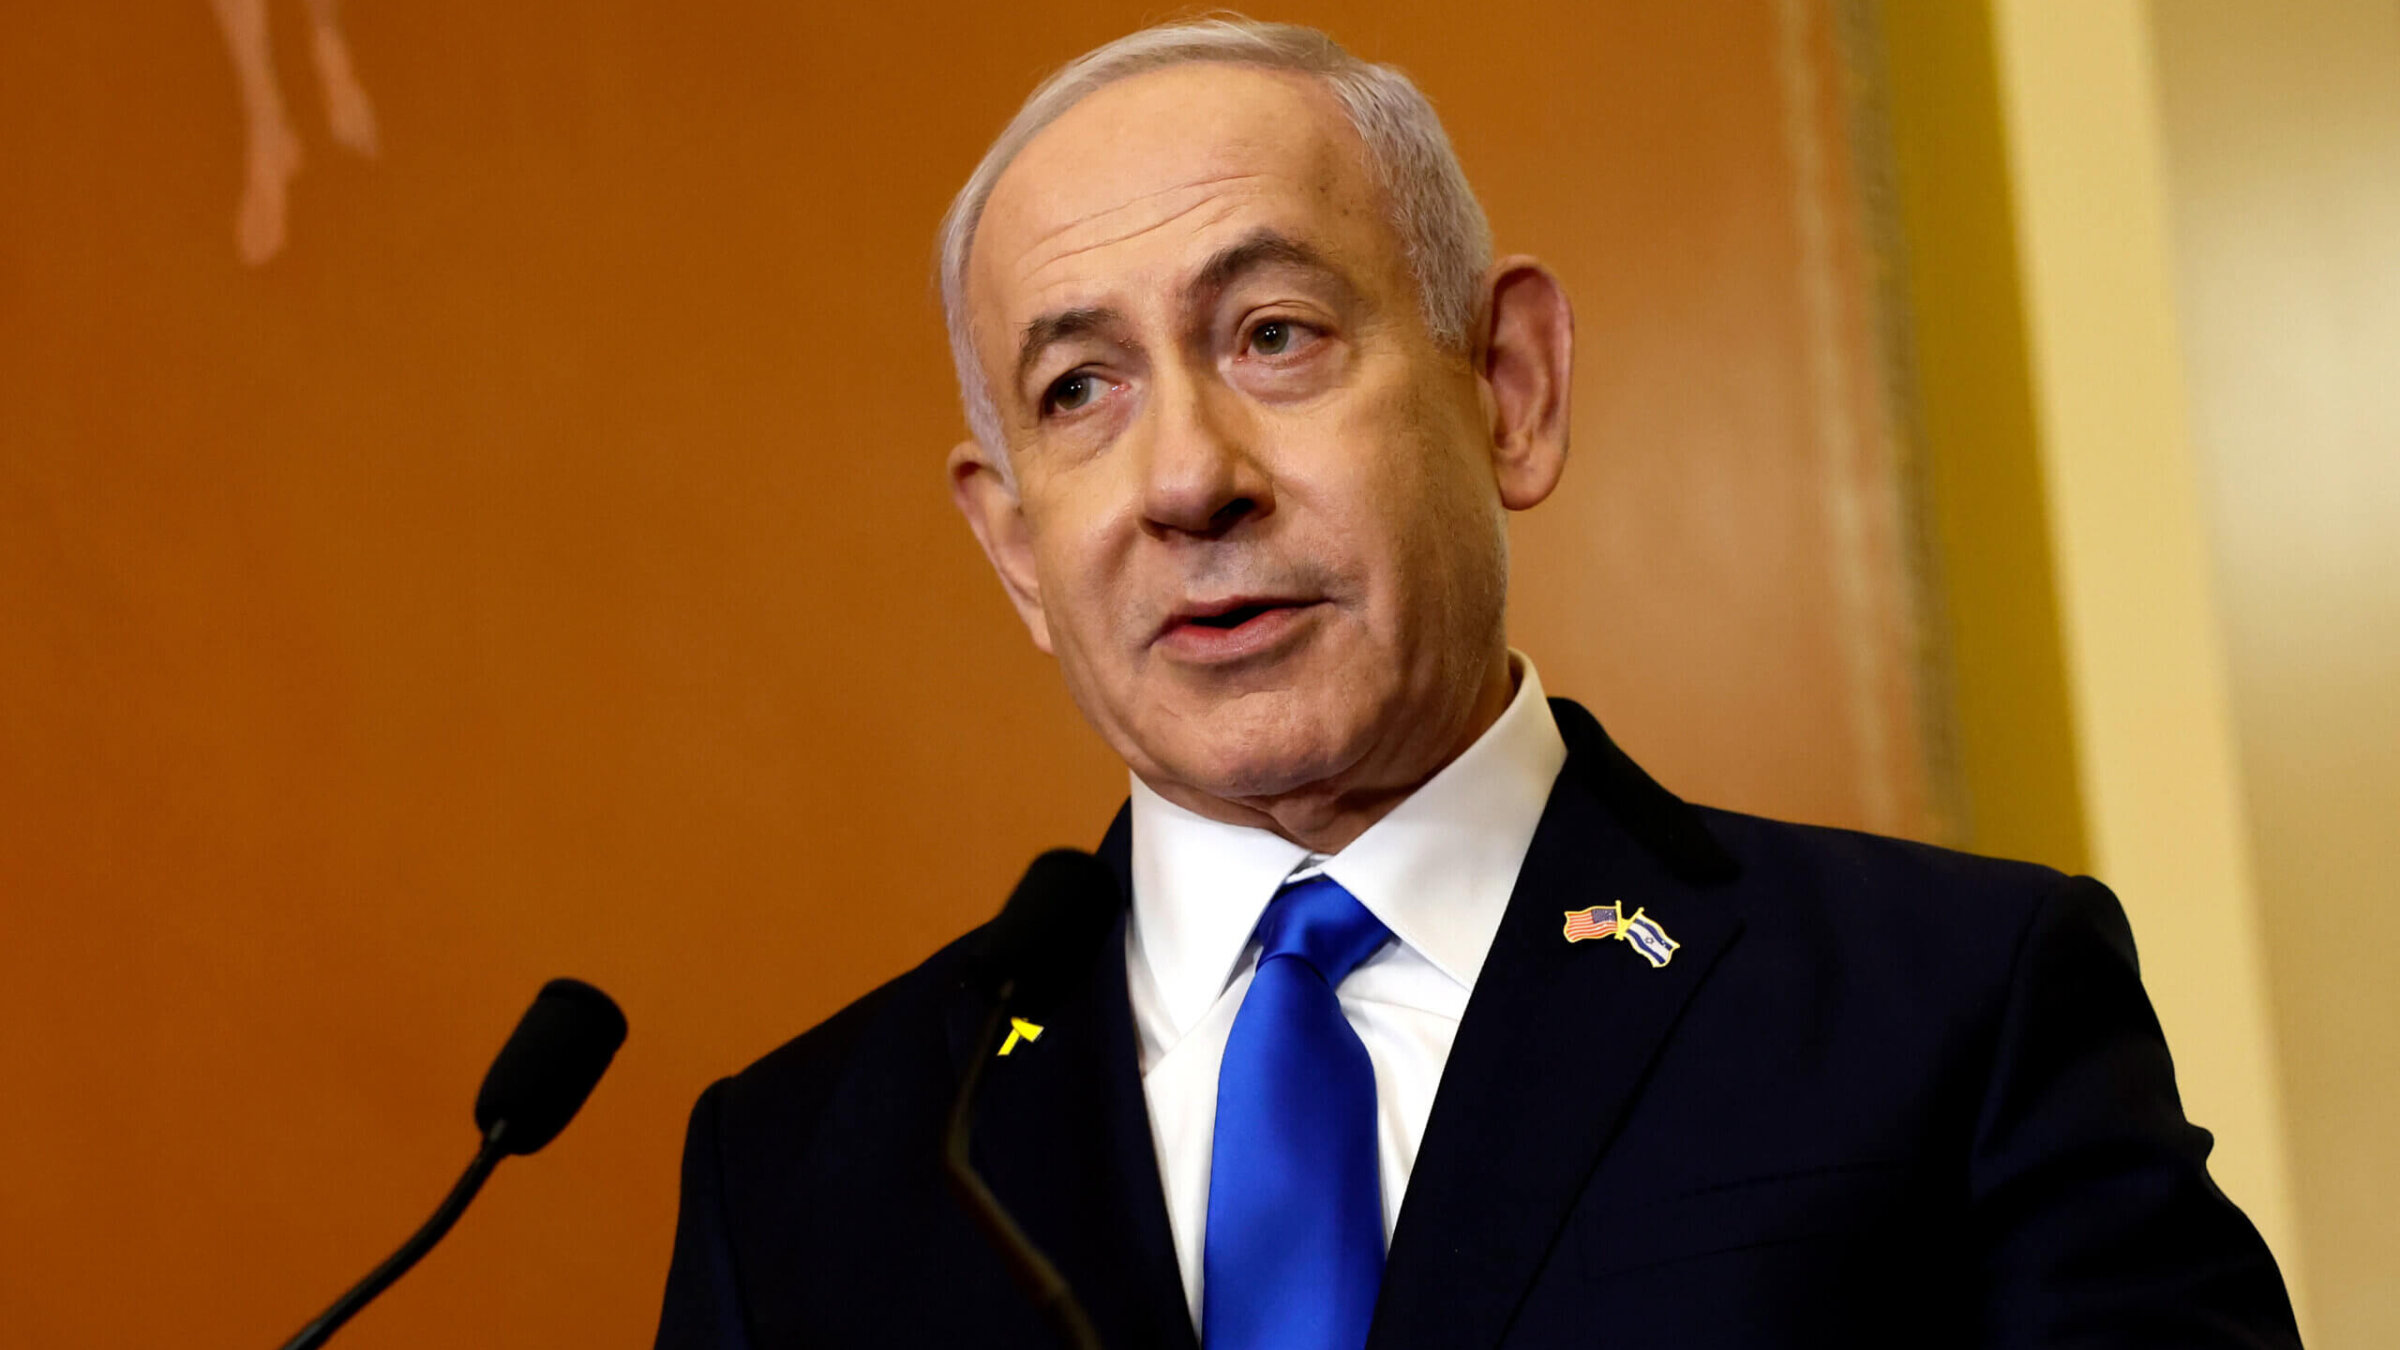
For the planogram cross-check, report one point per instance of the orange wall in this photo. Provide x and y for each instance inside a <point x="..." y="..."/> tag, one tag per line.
<point x="544" y="567"/>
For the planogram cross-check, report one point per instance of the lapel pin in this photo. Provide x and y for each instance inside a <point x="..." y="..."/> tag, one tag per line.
<point x="1649" y="939"/>
<point x="1583" y="925"/>
<point x="1019" y="1030"/>
<point x="1641" y="932"/>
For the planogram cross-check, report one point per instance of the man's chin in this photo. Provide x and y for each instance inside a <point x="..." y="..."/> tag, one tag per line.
<point x="1253" y="775"/>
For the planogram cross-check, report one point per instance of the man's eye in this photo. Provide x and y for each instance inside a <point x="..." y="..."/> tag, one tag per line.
<point x="1271" y="339"/>
<point x="1071" y="392"/>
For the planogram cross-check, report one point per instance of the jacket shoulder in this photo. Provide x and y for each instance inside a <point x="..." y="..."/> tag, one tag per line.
<point x="1827" y="855"/>
<point x="1948" y="926"/>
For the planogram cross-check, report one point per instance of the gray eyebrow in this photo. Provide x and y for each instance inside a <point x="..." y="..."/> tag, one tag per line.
<point x="1261" y="248"/>
<point x="1051" y="329"/>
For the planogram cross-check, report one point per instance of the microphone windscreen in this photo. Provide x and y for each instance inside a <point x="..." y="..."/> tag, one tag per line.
<point x="550" y="1064"/>
<point x="1050" y="930"/>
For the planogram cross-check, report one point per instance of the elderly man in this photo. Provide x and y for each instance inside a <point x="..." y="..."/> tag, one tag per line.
<point x="1432" y="1020"/>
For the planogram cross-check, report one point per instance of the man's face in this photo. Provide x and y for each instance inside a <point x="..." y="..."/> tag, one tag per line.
<point x="1254" y="513"/>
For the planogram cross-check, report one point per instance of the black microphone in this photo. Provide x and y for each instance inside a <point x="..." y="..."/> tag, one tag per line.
<point x="1046" y="937"/>
<point x="539" y="1081"/>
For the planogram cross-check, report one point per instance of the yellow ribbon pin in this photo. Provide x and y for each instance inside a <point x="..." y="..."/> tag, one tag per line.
<point x="1019" y="1030"/>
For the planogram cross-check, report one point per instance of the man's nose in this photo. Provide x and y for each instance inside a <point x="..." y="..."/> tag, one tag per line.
<point x="1202" y="476"/>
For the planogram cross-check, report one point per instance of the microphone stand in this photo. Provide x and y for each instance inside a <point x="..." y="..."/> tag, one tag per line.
<point x="1035" y="1276"/>
<point x="411" y="1251"/>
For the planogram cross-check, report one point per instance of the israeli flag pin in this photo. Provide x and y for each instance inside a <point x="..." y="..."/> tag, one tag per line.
<point x="1642" y="933"/>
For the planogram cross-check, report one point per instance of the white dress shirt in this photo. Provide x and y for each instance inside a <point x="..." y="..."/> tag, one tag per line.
<point x="1437" y="871"/>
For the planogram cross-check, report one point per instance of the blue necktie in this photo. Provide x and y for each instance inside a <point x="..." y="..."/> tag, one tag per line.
<point x="1294" y="1250"/>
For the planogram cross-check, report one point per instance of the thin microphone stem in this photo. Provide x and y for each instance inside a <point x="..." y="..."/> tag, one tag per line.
<point x="411" y="1251"/>
<point x="1032" y="1271"/>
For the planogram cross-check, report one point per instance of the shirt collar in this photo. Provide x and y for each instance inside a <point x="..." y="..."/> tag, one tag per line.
<point x="1437" y="870"/>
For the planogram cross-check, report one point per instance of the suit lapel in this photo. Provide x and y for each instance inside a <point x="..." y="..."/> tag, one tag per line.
<point x="1062" y="1136"/>
<point x="1552" y="1051"/>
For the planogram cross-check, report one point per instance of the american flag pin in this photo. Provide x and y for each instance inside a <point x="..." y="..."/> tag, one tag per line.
<point x="1600" y="921"/>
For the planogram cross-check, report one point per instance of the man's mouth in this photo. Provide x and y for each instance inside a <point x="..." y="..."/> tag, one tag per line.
<point x="1236" y="616"/>
<point x="1230" y="613"/>
<point x="1232" y="628"/>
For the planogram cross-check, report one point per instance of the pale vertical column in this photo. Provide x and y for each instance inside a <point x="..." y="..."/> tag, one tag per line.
<point x="2282" y="125"/>
<point x="2145" y="664"/>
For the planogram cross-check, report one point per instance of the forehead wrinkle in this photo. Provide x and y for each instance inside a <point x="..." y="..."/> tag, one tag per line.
<point x="1137" y="199"/>
<point x="1033" y="269"/>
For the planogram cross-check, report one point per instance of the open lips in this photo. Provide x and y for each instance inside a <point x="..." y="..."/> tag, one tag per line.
<point x="1236" y="627"/>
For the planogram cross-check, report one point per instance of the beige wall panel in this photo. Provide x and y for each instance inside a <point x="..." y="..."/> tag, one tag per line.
<point x="2283" y="131"/>
<point x="2144" y="658"/>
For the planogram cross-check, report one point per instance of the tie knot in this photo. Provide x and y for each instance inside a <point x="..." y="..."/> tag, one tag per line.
<point x="1322" y="924"/>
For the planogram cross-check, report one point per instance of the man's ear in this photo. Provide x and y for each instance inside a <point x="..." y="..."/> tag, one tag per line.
<point x="1528" y="363"/>
<point x="987" y="497"/>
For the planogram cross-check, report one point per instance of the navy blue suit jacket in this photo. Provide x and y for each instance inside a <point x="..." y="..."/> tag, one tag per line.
<point x="1883" y="1095"/>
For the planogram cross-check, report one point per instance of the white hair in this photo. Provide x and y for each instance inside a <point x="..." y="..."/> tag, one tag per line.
<point x="1441" y="226"/>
